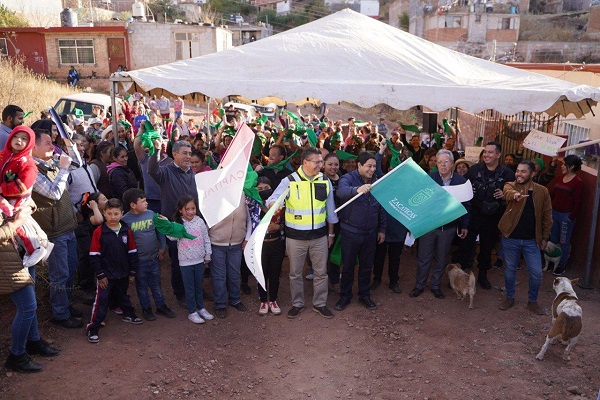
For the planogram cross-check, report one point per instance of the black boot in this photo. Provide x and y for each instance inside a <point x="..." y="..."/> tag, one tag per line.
<point x="483" y="280"/>
<point x="42" y="348"/>
<point x="22" y="364"/>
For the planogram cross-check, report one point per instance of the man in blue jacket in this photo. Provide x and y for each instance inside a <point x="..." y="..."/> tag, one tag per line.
<point x="362" y="225"/>
<point x="437" y="242"/>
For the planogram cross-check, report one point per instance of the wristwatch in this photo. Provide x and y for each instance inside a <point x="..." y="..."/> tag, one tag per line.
<point x="331" y="235"/>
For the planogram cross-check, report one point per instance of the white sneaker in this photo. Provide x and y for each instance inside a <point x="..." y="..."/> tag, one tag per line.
<point x="264" y="308"/>
<point x="29" y="260"/>
<point x="195" y="318"/>
<point x="205" y="314"/>
<point x="275" y="308"/>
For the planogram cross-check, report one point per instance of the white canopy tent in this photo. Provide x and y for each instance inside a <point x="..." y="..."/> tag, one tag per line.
<point x="349" y="57"/>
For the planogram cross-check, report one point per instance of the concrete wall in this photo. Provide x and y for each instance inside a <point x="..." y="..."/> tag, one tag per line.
<point x="395" y="11"/>
<point x="41" y="13"/>
<point x="154" y="44"/>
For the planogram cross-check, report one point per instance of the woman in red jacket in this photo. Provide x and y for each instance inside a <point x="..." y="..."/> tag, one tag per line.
<point x="566" y="200"/>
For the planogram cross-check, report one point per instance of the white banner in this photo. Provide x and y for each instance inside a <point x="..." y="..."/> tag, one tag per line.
<point x="241" y="138"/>
<point x="220" y="191"/>
<point x="462" y="192"/>
<point x="472" y="153"/>
<point x="253" y="249"/>
<point x="543" y="143"/>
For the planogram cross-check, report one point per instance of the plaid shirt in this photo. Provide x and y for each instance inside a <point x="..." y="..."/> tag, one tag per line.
<point x="52" y="189"/>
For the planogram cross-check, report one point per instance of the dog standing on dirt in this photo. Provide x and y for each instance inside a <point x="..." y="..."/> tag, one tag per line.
<point x="552" y="254"/>
<point x="461" y="282"/>
<point x="566" y="317"/>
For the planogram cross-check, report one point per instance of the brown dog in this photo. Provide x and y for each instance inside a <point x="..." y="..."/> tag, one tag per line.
<point x="461" y="282"/>
<point x="566" y="317"/>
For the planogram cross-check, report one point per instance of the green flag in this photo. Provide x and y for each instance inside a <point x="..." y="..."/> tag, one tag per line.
<point x="312" y="137"/>
<point x="262" y="120"/>
<point x="148" y="137"/>
<point x="344" y="155"/>
<point x="415" y="200"/>
<point x="250" y="189"/>
<point x="294" y="117"/>
<point x="395" y="159"/>
<point x="411" y="128"/>
<point x="479" y="141"/>
<point x="169" y="228"/>
<point x="447" y="128"/>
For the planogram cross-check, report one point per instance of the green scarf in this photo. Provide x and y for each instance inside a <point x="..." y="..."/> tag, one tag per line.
<point x="250" y="188"/>
<point x="148" y="137"/>
<point x="169" y="228"/>
<point x="343" y="155"/>
<point x="262" y="120"/>
<point x="395" y="159"/>
<point x="312" y="137"/>
<point x="447" y="128"/>
<point x="293" y="116"/>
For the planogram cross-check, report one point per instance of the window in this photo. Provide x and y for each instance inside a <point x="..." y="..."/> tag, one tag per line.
<point x="3" y="48"/>
<point x="187" y="45"/>
<point x="576" y="134"/>
<point x="507" y="23"/>
<point x="76" y="51"/>
<point x="477" y="17"/>
<point x="453" y="22"/>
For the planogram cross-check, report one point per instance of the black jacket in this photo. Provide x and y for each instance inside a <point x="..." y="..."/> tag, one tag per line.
<point x="113" y="256"/>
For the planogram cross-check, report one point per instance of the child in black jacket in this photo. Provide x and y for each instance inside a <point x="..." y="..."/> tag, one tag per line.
<point x="114" y="257"/>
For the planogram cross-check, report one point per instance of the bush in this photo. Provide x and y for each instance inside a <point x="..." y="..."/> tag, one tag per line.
<point x="28" y="90"/>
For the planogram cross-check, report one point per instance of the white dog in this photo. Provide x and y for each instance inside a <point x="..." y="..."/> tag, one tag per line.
<point x="566" y="317"/>
<point x="552" y="254"/>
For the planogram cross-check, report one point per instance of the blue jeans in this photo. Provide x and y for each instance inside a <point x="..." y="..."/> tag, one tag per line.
<point x="148" y="277"/>
<point x="513" y="248"/>
<point x="557" y="220"/>
<point x="192" y="282"/>
<point x="225" y="272"/>
<point x="25" y="325"/>
<point x="62" y="265"/>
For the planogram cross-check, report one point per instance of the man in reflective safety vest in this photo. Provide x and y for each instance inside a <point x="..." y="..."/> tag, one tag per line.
<point x="309" y="220"/>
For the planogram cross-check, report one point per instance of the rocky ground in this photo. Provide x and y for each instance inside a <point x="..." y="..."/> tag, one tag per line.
<point x="421" y="348"/>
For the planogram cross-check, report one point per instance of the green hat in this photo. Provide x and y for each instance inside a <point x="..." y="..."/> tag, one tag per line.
<point x="322" y="125"/>
<point x="540" y="162"/>
<point x="77" y="112"/>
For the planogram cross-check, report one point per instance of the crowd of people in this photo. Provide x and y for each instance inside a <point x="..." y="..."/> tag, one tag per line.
<point x="101" y="209"/>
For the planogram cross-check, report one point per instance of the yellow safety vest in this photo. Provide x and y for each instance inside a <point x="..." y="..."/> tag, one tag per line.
<point x="306" y="204"/>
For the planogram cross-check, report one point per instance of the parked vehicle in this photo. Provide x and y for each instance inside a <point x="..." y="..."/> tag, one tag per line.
<point x="85" y="102"/>
<point x="270" y="110"/>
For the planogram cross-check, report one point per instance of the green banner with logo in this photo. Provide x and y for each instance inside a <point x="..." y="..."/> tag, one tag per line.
<point x="417" y="201"/>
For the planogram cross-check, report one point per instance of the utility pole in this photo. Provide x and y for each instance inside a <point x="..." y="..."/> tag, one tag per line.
<point x="494" y="51"/>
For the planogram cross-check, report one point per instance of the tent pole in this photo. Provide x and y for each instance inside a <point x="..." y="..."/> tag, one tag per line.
<point x="209" y="129"/>
<point x="592" y="235"/>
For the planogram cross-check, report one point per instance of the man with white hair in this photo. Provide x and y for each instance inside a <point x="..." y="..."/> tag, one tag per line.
<point x="436" y="244"/>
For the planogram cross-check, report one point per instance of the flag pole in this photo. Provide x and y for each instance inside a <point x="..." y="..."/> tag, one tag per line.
<point x="376" y="182"/>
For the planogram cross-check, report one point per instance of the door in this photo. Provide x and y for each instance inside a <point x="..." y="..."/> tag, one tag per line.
<point x="116" y="53"/>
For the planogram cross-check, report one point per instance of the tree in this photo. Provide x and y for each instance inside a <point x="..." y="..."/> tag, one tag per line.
<point x="166" y="10"/>
<point x="404" y="21"/>
<point x="10" y="18"/>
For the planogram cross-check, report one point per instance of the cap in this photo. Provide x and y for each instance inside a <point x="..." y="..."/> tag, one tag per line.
<point x="95" y="120"/>
<point x="78" y="121"/>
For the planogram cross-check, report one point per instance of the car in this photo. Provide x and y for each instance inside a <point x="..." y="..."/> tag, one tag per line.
<point x="85" y="102"/>
<point x="242" y="107"/>
<point x="270" y="110"/>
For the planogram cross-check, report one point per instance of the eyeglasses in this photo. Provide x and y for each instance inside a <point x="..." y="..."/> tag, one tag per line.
<point x="444" y="162"/>
<point x="316" y="161"/>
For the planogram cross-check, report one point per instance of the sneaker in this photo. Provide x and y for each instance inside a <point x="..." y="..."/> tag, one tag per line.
<point x="323" y="311"/>
<point x="239" y="306"/>
<point x="274" y="308"/>
<point x="148" y="314"/>
<point x="166" y="311"/>
<point x="310" y="277"/>
<point x="205" y="314"/>
<point x="29" y="260"/>
<point x="264" y="308"/>
<point x="535" y="308"/>
<point x="506" y="304"/>
<point x="221" y="312"/>
<point x="195" y="318"/>
<point x="294" y="312"/>
<point x="133" y="320"/>
<point x="68" y="323"/>
<point x="92" y="336"/>
<point x="118" y="310"/>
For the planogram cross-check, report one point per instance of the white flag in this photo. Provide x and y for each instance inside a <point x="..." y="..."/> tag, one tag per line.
<point x="253" y="249"/>
<point x="220" y="191"/>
